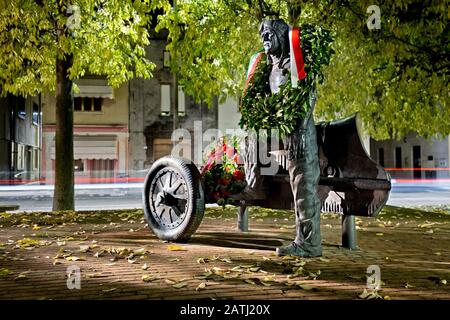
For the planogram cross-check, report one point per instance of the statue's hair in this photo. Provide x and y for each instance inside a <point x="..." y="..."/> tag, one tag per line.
<point x="281" y="30"/>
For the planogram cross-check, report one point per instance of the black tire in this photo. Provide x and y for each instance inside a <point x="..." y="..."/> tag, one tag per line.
<point x="174" y="201"/>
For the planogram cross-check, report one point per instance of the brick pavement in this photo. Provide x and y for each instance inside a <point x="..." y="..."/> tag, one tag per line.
<point x="411" y="247"/>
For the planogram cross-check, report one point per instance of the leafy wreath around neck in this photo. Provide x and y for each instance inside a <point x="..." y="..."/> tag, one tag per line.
<point x="260" y="109"/>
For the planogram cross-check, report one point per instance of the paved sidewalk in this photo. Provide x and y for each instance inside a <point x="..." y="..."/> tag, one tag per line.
<point x="411" y="247"/>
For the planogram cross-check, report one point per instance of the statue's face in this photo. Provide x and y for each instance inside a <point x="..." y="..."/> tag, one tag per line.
<point x="270" y="40"/>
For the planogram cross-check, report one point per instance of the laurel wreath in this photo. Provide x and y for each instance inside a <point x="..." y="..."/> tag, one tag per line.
<point x="260" y="109"/>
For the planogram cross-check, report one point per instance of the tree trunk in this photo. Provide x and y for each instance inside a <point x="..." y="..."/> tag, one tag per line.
<point x="63" y="198"/>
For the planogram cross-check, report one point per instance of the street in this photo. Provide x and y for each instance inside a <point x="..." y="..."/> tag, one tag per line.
<point x="128" y="195"/>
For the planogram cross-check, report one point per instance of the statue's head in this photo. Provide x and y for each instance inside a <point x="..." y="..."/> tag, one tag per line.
<point x="275" y="37"/>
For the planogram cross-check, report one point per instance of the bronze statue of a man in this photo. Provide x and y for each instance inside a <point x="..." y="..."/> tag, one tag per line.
<point x="303" y="160"/>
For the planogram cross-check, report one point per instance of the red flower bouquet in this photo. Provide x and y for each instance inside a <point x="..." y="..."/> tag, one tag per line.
<point x="223" y="173"/>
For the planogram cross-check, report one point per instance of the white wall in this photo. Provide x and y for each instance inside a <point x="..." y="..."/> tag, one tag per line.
<point x="438" y="148"/>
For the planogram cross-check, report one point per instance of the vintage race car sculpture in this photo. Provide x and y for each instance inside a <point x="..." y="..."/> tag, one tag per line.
<point x="351" y="184"/>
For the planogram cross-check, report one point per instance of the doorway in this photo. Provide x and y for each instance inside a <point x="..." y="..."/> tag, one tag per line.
<point x="417" y="165"/>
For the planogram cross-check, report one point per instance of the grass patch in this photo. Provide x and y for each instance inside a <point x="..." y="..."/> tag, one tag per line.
<point x="415" y="213"/>
<point x="436" y="213"/>
<point x="61" y="217"/>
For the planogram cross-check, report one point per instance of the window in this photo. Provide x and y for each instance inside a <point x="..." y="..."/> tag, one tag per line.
<point x="166" y="59"/>
<point x="78" y="165"/>
<point x="20" y="157"/>
<point x="181" y="101"/>
<point x="398" y="157"/>
<point x="381" y="157"/>
<point x="165" y="99"/>
<point x="87" y="104"/>
<point x="21" y="110"/>
<point x="35" y="113"/>
<point x="35" y="159"/>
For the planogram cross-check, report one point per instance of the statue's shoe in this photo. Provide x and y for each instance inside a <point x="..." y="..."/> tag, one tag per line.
<point x="296" y="250"/>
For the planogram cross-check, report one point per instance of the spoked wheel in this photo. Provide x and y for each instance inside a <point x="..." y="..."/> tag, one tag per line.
<point x="173" y="199"/>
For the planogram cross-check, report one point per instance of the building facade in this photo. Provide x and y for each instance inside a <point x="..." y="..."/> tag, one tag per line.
<point x="100" y="132"/>
<point x="151" y="118"/>
<point x="20" y="139"/>
<point x="413" y="157"/>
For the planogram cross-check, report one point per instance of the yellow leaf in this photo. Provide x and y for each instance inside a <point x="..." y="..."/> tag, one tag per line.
<point x="148" y="278"/>
<point x="21" y="277"/>
<point x="73" y="258"/>
<point x="200" y="286"/>
<point x="174" y="247"/>
<point x="170" y="281"/>
<point x="4" y="272"/>
<point x="201" y="260"/>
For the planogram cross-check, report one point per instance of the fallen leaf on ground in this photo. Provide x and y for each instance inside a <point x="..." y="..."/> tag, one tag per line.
<point x="170" y="281"/>
<point x="4" y="272"/>
<point x="407" y="286"/>
<point x="148" y="278"/>
<point x="73" y="258"/>
<point x="179" y="285"/>
<point x="370" y="295"/>
<point x="145" y="266"/>
<point x="174" y="247"/>
<point x="21" y="277"/>
<point x="200" y="286"/>
<point x="305" y="287"/>
<point x="84" y="248"/>
<point x="202" y="260"/>
<point x="324" y="259"/>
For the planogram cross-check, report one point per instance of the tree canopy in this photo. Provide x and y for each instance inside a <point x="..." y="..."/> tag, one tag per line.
<point x="105" y="38"/>
<point x="46" y="44"/>
<point x="396" y="77"/>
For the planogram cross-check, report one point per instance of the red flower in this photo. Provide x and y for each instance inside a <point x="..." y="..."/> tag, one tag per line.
<point x="226" y="193"/>
<point x="208" y="166"/>
<point x="224" y="181"/>
<point x="215" y="195"/>
<point x="238" y="175"/>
